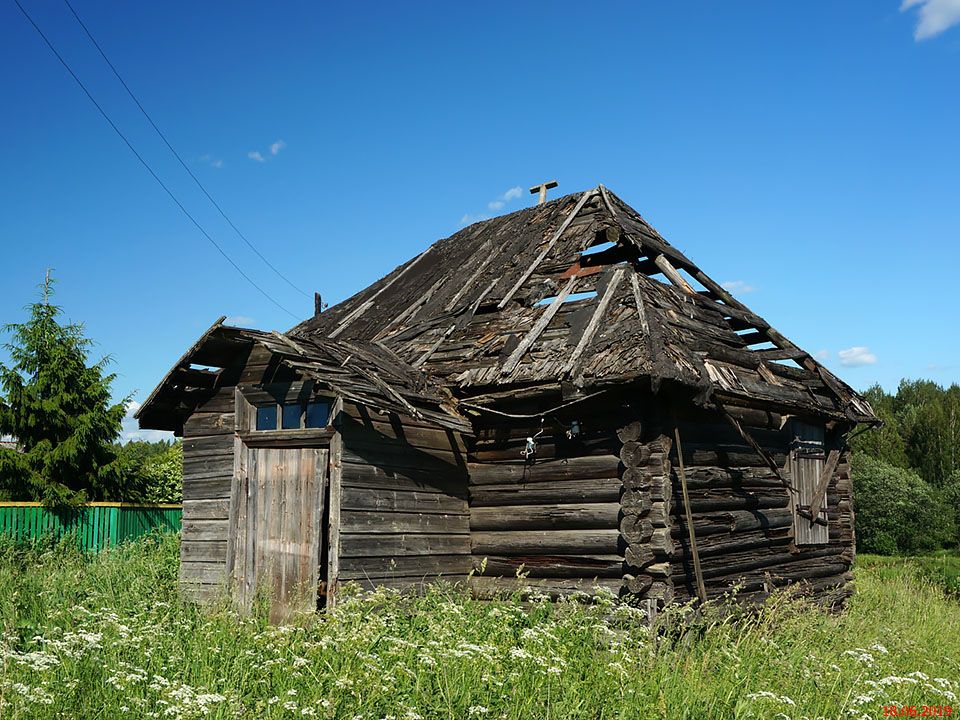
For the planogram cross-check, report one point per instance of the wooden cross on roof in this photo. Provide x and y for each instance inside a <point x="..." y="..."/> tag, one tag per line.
<point x="542" y="189"/>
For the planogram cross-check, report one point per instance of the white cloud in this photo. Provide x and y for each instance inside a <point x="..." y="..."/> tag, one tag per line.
<point x="821" y="354"/>
<point x="211" y="161"/>
<point x="277" y="147"/>
<point x="255" y="155"/>
<point x="498" y="203"/>
<point x="130" y="428"/>
<point x="737" y="286"/>
<point x="856" y="356"/>
<point x="935" y="16"/>
<point x="240" y="321"/>
<point x="501" y="200"/>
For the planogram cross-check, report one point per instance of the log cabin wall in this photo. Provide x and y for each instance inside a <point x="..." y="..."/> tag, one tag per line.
<point x="554" y="516"/>
<point x="743" y="516"/>
<point x="403" y="515"/>
<point x="207" y="475"/>
<point x="208" y="448"/>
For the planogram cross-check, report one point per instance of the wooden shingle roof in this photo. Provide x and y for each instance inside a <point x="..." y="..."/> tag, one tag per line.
<point x="526" y="299"/>
<point x="367" y="373"/>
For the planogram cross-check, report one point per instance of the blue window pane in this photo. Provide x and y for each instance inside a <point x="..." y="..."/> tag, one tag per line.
<point x="267" y="417"/>
<point x="318" y="414"/>
<point x="291" y="416"/>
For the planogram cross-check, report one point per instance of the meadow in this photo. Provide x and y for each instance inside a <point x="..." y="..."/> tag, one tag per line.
<point x="107" y="637"/>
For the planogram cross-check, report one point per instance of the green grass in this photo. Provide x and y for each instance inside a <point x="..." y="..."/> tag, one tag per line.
<point x="106" y="637"/>
<point x="941" y="568"/>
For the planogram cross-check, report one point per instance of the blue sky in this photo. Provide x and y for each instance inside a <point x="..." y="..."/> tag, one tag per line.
<point x="805" y="153"/>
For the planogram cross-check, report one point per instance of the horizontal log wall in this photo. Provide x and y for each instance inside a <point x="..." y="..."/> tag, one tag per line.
<point x="553" y="518"/>
<point x="208" y="446"/>
<point x="743" y="519"/>
<point x="207" y="476"/>
<point x="403" y="502"/>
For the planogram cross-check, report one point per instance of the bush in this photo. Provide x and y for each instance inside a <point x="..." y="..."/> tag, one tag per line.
<point x="896" y="511"/>
<point x="162" y="475"/>
<point x="152" y="471"/>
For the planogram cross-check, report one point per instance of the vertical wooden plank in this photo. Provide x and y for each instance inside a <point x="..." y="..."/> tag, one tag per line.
<point x="250" y="547"/>
<point x="273" y="480"/>
<point x="287" y="555"/>
<point x="320" y="493"/>
<point x="235" y="530"/>
<point x="335" y="475"/>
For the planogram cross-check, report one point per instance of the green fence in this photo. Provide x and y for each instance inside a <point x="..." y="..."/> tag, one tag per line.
<point x="95" y="525"/>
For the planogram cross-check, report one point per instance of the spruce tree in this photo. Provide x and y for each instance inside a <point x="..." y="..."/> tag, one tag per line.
<point x="58" y="409"/>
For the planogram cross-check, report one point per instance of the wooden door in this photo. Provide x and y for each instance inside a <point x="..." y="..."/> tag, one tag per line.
<point x="276" y="538"/>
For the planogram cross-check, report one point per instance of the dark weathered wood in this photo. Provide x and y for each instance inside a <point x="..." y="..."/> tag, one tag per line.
<point x="545" y="517"/>
<point x="204" y="530"/>
<point x="313" y="437"/>
<point x="825" y="477"/>
<point x="531" y="337"/>
<point x="598" y="490"/>
<point x="207" y="573"/>
<point x="459" y="330"/>
<point x="404" y="566"/>
<point x="204" y="551"/>
<point x="275" y="540"/>
<point x="383" y="544"/>
<point x="547" y="566"/>
<point x="688" y="515"/>
<point x="216" y="487"/>
<point x="380" y="500"/>
<point x="217" y="509"/>
<point x="372" y="521"/>
<point x="736" y="520"/>
<point x="547" y="542"/>
<point x="577" y="468"/>
<point x="209" y="423"/>
<point x="362" y="475"/>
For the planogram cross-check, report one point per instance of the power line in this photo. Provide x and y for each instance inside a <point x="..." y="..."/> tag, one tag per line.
<point x="177" y="155"/>
<point x="144" y="162"/>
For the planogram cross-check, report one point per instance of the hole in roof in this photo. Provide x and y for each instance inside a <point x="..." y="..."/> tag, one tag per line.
<point x="762" y="345"/>
<point x="572" y="297"/>
<point x="598" y="248"/>
<point x="788" y="363"/>
<point x="660" y="278"/>
<point x="692" y="281"/>
<point x="207" y="368"/>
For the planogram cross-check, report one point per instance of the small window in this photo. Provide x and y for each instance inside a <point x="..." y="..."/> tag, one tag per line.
<point x="318" y="414"/>
<point x="267" y="417"/>
<point x="291" y="416"/>
<point x="806" y="466"/>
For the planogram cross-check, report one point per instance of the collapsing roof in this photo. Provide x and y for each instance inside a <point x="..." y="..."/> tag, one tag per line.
<point x="501" y="303"/>
<point x="370" y="375"/>
<point x="578" y="290"/>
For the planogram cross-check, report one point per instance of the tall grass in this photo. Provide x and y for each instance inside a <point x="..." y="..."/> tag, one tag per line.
<point x="107" y="637"/>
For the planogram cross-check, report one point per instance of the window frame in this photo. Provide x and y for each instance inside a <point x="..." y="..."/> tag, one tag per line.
<point x="280" y="407"/>
<point x="807" y="458"/>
